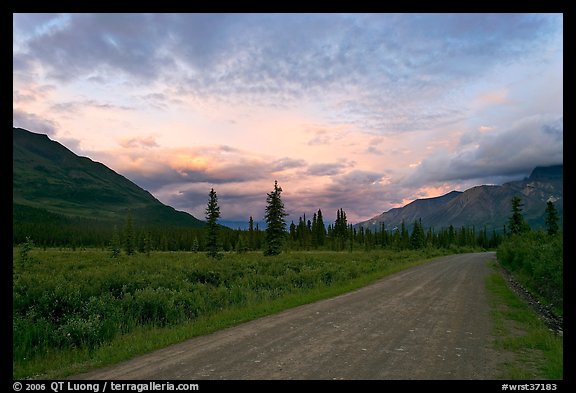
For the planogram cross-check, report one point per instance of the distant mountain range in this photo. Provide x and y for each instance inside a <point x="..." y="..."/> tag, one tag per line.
<point x="482" y="206"/>
<point x="49" y="179"/>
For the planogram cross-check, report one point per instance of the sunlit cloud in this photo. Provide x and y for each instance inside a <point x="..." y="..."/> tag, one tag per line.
<point x="146" y="142"/>
<point x="485" y="128"/>
<point x="496" y="97"/>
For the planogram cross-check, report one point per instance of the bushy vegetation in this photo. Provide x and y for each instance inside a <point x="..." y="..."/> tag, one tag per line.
<point x="68" y="300"/>
<point x="536" y="260"/>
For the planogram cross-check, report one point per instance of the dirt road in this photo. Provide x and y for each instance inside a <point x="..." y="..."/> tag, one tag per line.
<point x="428" y="322"/>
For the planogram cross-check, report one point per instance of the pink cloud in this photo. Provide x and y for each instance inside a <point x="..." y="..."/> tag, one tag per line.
<point x="494" y="97"/>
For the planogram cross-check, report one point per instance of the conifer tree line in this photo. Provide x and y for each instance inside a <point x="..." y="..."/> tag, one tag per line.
<point x="307" y="234"/>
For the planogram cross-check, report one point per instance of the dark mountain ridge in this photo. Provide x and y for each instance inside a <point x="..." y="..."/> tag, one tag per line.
<point x="46" y="176"/>
<point x="481" y="206"/>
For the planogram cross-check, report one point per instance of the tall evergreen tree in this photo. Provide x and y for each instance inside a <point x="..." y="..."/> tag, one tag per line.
<point x="212" y="215"/>
<point x="404" y="237"/>
<point x="340" y="229"/>
<point x="451" y="236"/>
<point x="276" y="226"/>
<point x="251" y="240"/>
<point x="417" y="238"/>
<point x="384" y="240"/>
<point x="516" y="221"/>
<point x="293" y="233"/>
<point x="313" y="231"/>
<point x="303" y="232"/>
<point x="320" y="229"/>
<point x="551" y="219"/>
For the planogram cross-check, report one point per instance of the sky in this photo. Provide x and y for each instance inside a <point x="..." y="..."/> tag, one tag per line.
<point x="364" y="112"/>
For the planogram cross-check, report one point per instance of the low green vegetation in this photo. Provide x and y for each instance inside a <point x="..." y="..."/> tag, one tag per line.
<point x="537" y="351"/>
<point x="536" y="260"/>
<point x="76" y="310"/>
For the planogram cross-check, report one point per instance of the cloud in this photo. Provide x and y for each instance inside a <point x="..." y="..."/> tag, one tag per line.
<point x="329" y="169"/>
<point x="358" y="178"/>
<point x="76" y="106"/>
<point x="32" y="93"/>
<point x="80" y="45"/>
<point x="171" y="167"/>
<point x="286" y="163"/>
<point x="496" y="97"/>
<point x="33" y="122"/>
<point x="160" y="101"/>
<point x="346" y="190"/>
<point x="374" y="150"/>
<point x="532" y="141"/>
<point x="324" y="135"/>
<point x="380" y="70"/>
<point x="22" y="97"/>
<point x="234" y="204"/>
<point x="320" y="139"/>
<point x="145" y="142"/>
<point x="485" y="128"/>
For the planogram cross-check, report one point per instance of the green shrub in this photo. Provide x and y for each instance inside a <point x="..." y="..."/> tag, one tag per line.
<point x="536" y="260"/>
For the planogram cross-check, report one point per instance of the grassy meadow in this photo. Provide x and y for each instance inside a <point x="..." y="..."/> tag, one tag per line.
<point x="77" y="310"/>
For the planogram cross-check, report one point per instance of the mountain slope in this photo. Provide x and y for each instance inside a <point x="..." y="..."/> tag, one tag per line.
<point x="480" y="206"/>
<point x="48" y="176"/>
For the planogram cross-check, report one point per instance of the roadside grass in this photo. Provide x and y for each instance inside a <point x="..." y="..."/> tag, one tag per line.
<point x="538" y="350"/>
<point x="270" y="285"/>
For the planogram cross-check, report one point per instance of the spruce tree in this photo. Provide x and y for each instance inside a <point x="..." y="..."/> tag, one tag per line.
<point x="212" y="215"/>
<point x="551" y="219"/>
<point x="516" y="220"/>
<point x="383" y="235"/>
<point x="301" y="232"/>
<point x="251" y="240"/>
<point x="320" y="229"/>
<point x="293" y="233"/>
<point x="276" y="226"/>
<point x="313" y="231"/>
<point x="340" y="229"/>
<point x="404" y="237"/>
<point x="417" y="238"/>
